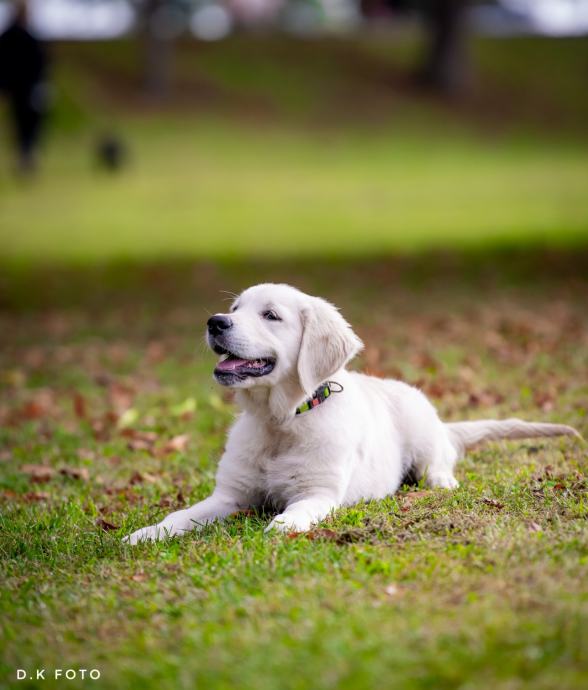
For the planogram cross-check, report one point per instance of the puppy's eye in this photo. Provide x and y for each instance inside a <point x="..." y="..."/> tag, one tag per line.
<point x="270" y="315"/>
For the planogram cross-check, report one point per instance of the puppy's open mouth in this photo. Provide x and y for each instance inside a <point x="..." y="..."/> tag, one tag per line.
<point x="231" y="367"/>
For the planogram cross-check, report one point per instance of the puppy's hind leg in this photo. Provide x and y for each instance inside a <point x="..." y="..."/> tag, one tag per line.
<point x="438" y="468"/>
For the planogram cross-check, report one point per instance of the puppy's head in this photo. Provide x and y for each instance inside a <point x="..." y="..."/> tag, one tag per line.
<point x="275" y="334"/>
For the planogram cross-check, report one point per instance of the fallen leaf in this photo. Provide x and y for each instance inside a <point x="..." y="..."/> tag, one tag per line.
<point x="33" y="410"/>
<point x="393" y="591"/>
<point x="128" y="417"/>
<point x="79" y="405"/>
<point x="140" y="477"/>
<point x="156" y="352"/>
<point x="177" y="444"/>
<point x="34" y="496"/>
<point x="493" y="503"/>
<point x="435" y="389"/>
<point x="137" y="444"/>
<point x="137" y="434"/>
<point x="15" y="378"/>
<point x="413" y="495"/>
<point x="424" y="360"/>
<point x="75" y="473"/>
<point x="544" y="400"/>
<point x="165" y="502"/>
<point x="85" y="454"/>
<point x="105" y="525"/>
<point x="140" y="440"/>
<point x="188" y="407"/>
<point x="246" y="512"/>
<point x="139" y="577"/>
<point x="103" y="379"/>
<point x="38" y="473"/>
<point x="102" y="427"/>
<point x="485" y="398"/>
<point x="120" y="397"/>
<point x="323" y="533"/>
<point x="534" y="527"/>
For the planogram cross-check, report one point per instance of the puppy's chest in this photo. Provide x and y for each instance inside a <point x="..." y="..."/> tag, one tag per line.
<point x="278" y="467"/>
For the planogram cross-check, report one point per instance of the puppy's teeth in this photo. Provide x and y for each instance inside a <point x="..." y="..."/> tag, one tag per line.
<point x="223" y="357"/>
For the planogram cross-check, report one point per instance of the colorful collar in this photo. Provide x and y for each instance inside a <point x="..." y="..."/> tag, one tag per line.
<point x="319" y="396"/>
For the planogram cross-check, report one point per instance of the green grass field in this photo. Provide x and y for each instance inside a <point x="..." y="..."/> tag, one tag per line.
<point x="218" y="191"/>
<point x="483" y="587"/>
<point x="279" y="149"/>
<point x="109" y="417"/>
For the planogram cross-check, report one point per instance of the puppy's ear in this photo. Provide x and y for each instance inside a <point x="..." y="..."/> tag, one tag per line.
<point x="328" y="343"/>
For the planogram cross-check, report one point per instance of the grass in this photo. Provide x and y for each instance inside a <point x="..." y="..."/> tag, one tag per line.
<point x="481" y="587"/>
<point x="106" y="282"/>
<point x="271" y="150"/>
<point x="283" y="193"/>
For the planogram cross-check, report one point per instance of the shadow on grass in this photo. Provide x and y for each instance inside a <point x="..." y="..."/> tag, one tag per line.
<point x="187" y="282"/>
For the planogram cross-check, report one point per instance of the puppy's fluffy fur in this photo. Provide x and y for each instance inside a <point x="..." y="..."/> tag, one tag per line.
<point x="281" y="344"/>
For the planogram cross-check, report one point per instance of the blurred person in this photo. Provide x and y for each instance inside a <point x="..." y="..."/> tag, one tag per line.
<point x="23" y="77"/>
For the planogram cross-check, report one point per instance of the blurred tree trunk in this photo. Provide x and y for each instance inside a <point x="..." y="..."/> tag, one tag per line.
<point x="156" y="48"/>
<point x="447" y="63"/>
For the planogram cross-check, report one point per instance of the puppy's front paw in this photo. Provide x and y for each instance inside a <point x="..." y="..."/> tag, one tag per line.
<point x="442" y="481"/>
<point x="151" y="533"/>
<point x="289" y="522"/>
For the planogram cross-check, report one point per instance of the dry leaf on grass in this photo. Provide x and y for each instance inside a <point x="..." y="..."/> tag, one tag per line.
<point x="120" y="396"/>
<point x="79" y="405"/>
<point x="38" y="473"/>
<point x="246" y="512"/>
<point x="177" y="444"/>
<point x="323" y="533"/>
<point x="86" y="454"/>
<point x="35" y="496"/>
<point x="140" y="440"/>
<point x="493" y="503"/>
<point x="105" y="525"/>
<point x="168" y="502"/>
<point x="75" y="473"/>
<point x="393" y="591"/>
<point x="140" y="477"/>
<point x="534" y="527"/>
<point x="413" y="495"/>
<point x="39" y="406"/>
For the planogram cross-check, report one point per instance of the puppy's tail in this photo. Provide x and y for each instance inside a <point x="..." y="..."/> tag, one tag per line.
<point x="464" y="435"/>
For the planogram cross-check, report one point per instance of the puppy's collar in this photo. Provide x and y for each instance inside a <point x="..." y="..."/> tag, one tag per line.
<point x="319" y="396"/>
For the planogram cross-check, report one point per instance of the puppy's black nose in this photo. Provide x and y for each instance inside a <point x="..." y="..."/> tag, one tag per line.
<point x="218" y="323"/>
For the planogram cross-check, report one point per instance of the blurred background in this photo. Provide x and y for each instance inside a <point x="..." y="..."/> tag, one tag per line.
<point x="158" y="129"/>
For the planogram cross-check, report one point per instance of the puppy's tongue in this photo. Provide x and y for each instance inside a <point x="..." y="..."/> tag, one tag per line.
<point x="231" y="364"/>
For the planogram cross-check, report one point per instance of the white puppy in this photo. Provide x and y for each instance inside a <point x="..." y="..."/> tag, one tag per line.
<point x="313" y="436"/>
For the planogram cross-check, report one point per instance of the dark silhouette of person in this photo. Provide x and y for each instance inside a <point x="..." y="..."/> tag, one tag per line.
<point x="23" y="78"/>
